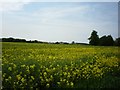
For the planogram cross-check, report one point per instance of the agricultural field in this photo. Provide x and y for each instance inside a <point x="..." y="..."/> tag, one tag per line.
<point x="34" y="65"/>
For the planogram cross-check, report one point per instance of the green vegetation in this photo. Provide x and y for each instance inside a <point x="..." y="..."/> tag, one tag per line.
<point x="93" y="40"/>
<point x="103" y="41"/>
<point x="34" y="65"/>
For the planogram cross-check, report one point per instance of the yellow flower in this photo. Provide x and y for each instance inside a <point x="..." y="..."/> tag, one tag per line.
<point x="4" y="75"/>
<point x="71" y="83"/>
<point x="61" y="79"/>
<point x="67" y="84"/>
<point x="23" y="80"/>
<point x="45" y="73"/>
<point x="14" y="66"/>
<point x="32" y="78"/>
<point x="65" y="73"/>
<point x="53" y="68"/>
<point x="10" y="68"/>
<point x="9" y="77"/>
<point x="58" y="83"/>
<point x="51" y="76"/>
<point x="57" y="65"/>
<point x="32" y="66"/>
<point x="64" y="80"/>
<point x="47" y="70"/>
<point x="27" y="67"/>
<point x="47" y="85"/>
<point x="18" y="77"/>
<point x="6" y="80"/>
<point x="22" y="65"/>
<point x="40" y="77"/>
<point x="68" y="76"/>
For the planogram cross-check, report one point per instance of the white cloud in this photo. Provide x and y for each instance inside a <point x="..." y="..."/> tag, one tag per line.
<point x="13" y="5"/>
<point x="9" y="6"/>
<point x="50" y="14"/>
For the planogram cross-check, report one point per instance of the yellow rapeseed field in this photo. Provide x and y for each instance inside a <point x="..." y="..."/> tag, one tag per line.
<point x="34" y="65"/>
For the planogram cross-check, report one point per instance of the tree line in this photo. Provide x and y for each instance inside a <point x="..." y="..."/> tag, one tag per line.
<point x="93" y="40"/>
<point x="10" y="39"/>
<point x="19" y="40"/>
<point x="103" y="41"/>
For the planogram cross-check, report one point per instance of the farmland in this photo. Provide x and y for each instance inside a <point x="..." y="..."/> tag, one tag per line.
<point x="34" y="65"/>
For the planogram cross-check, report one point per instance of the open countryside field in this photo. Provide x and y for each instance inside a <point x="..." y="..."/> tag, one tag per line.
<point x="34" y="65"/>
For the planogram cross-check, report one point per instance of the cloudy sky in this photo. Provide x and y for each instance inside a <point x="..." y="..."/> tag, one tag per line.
<point x="59" y="21"/>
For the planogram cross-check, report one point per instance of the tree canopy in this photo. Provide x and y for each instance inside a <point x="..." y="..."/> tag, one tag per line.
<point x="94" y="38"/>
<point x="103" y="41"/>
<point x="106" y="41"/>
<point x="117" y="41"/>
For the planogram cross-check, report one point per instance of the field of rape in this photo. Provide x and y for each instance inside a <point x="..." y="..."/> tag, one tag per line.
<point x="34" y="65"/>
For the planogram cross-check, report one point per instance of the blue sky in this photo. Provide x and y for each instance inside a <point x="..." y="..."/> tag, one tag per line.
<point x="60" y="21"/>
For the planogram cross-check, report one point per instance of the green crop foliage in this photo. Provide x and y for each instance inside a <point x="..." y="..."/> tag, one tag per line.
<point x="34" y="65"/>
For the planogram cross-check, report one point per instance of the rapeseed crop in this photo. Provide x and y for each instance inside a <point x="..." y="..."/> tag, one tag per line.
<point x="30" y="65"/>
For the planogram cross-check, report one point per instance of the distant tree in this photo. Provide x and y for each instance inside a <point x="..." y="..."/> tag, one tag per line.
<point x="106" y="41"/>
<point x="117" y="41"/>
<point x="35" y="41"/>
<point x="12" y="40"/>
<point x="110" y="41"/>
<point x="102" y="41"/>
<point x="65" y="43"/>
<point x="73" y="42"/>
<point x="57" y="43"/>
<point x="94" y="38"/>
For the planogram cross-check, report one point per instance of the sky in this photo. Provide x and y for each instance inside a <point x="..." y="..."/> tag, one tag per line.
<point x="58" y="21"/>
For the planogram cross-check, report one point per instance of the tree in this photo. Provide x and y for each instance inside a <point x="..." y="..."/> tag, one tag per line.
<point x="102" y="40"/>
<point x="117" y="41"/>
<point x="94" y="38"/>
<point x="110" y="41"/>
<point x="106" y="41"/>
<point x="73" y="42"/>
